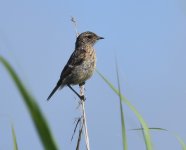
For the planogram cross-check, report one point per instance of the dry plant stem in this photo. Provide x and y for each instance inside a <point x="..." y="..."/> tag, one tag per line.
<point x="75" y="25"/>
<point x="82" y="90"/>
<point x="79" y="137"/>
<point x="82" y="93"/>
<point x="78" y="121"/>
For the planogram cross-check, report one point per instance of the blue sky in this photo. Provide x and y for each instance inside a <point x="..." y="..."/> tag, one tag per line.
<point x="148" y="39"/>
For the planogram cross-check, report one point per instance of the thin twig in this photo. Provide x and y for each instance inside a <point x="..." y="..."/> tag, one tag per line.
<point x="75" y="25"/>
<point x="82" y="93"/>
<point x="84" y="118"/>
<point x="77" y="122"/>
<point x="79" y="137"/>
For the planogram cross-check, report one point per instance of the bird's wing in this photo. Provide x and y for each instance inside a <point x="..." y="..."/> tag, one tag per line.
<point x="54" y="90"/>
<point x="75" y="59"/>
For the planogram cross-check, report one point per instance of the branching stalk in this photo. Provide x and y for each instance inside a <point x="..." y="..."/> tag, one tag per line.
<point x="82" y="90"/>
<point x="82" y="103"/>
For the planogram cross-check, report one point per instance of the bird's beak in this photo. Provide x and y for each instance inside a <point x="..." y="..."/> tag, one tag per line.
<point x="99" y="38"/>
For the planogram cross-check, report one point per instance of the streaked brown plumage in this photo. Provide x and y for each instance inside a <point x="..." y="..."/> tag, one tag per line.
<point x="81" y="64"/>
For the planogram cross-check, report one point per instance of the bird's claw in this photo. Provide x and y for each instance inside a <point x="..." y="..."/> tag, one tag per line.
<point x="82" y="97"/>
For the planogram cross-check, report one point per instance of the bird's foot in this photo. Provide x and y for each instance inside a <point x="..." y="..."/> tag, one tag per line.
<point x="82" y="97"/>
<point x="81" y="84"/>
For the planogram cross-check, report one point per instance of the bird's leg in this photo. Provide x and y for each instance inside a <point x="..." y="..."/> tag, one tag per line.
<point x="81" y="85"/>
<point x="81" y="97"/>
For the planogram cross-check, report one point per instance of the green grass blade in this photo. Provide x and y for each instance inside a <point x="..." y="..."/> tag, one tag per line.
<point x="160" y="129"/>
<point x="124" y="136"/>
<point x="182" y="143"/>
<point x="144" y="125"/>
<point x="35" y="113"/>
<point x="14" y="139"/>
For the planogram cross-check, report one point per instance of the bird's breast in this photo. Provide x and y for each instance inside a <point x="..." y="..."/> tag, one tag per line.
<point x="89" y="63"/>
<point x="86" y="69"/>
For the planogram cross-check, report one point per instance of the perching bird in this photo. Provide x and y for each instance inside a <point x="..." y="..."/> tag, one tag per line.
<point x="81" y="63"/>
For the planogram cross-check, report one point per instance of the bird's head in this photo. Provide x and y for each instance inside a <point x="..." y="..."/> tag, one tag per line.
<point x="88" y="38"/>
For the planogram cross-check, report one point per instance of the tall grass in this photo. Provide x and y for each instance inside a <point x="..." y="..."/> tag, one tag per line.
<point x="42" y="126"/>
<point x="148" y="142"/>
<point x="14" y="139"/>
<point x="124" y="136"/>
<point x="38" y="118"/>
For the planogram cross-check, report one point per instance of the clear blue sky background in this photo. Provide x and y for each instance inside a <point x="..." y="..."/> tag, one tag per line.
<point x="148" y="39"/>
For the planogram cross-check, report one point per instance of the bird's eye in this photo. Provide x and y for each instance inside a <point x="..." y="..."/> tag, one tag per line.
<point x="89" y="36"/>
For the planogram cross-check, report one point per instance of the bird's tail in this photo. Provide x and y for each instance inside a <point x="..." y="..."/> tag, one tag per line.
<point x="54" y="90"/>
